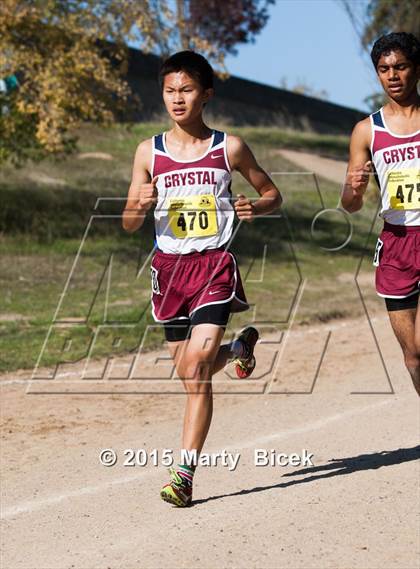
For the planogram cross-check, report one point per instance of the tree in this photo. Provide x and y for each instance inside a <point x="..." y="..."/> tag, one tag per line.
<point x="54" y="48"/>
<point x="375" y="18"/>
<point x="224" y="25"/>
<point x="70" y="58"/>
<point x="387" y="16"/>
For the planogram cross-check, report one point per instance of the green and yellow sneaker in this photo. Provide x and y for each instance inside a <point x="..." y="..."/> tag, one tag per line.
<point x="177" y="492"/>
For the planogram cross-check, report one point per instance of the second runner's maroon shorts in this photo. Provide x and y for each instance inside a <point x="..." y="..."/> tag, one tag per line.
<point x="397" y="261"/>
<point x="181" y="284"/>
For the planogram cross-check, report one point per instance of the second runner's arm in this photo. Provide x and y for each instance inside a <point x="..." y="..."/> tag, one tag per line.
<point x="359" y="167"/>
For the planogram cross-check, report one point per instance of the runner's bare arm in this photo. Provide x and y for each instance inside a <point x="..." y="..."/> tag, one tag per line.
<point x="359" y="167"/>
<point x="242" y="159"/>
<point x="142" y="193"/>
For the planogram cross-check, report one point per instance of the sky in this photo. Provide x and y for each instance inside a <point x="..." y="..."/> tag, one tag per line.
<point x="310" y="41"/>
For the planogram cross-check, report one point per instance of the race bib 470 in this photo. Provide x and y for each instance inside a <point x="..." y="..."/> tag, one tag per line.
<point x="193" y="216"/>
<point x="404" y="189"/>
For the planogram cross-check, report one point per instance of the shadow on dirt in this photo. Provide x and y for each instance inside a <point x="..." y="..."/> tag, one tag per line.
<point x="335" y="467"/>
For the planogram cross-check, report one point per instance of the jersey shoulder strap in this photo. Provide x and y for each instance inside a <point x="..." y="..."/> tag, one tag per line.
<point x="159" y="155"/>
<point x="220" y="144"/>
<point x="377" y="119"/>
<point x="218" y="139"/>
<point x="380" y="135"/>
<point x="158" y="143"/>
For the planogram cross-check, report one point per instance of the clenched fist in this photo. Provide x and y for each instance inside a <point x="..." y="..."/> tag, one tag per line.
<point x="147" y="195"/>
<point x="244" y="208"/>
<point x="359" y="178"/>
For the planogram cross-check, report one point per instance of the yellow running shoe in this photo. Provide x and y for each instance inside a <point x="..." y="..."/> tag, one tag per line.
<point x="177" y="492"/>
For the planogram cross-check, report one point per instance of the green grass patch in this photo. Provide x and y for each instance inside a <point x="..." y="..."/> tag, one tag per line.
<point x="67" y="270"/>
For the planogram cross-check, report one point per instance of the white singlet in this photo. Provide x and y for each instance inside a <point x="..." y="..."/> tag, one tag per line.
<point x="194" y="210"/>
<point x="396" y="158"/>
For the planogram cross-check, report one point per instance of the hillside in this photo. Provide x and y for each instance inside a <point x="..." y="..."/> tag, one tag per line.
<point x="45" y="221"/>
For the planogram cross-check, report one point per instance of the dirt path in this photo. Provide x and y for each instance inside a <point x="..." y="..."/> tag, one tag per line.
<point x="357" y="507"/>
<point x="334" y="170"/>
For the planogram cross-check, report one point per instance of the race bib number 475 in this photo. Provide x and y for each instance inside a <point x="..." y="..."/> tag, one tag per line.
<point x="404" y="189"/>
<point x="193" y="216"/>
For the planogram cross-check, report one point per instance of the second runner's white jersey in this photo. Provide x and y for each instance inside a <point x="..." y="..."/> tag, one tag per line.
<point x="396" y="158"/>
<point x="194" y="211"/>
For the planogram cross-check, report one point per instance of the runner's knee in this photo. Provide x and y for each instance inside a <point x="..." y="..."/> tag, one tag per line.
<point x="412" y="359"/>
<point x="197" y="371"/>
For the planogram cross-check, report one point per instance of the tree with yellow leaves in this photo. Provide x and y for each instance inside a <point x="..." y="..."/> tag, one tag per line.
<point x="69" y="59"/>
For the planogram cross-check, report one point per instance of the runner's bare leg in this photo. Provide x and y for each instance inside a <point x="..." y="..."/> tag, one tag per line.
<point x="404" y="324"/>
<point x="195" y="360"/>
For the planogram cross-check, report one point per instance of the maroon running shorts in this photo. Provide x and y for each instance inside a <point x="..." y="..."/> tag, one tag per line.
<point x="397" y="261"/>
<point x="181" y="284"/>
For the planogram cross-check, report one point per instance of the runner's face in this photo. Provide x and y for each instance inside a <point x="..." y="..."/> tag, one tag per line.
<point x="184" y="97"/>
<point x="398" y="75"/>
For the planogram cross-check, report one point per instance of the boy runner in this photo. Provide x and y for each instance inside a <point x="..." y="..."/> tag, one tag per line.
<point x="186" y="174"/>
<point x="390" y="141"/>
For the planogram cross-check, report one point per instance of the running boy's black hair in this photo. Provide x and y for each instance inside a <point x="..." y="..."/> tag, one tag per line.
<point x="192" y="63"/>
<point x="408" y="44"/>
